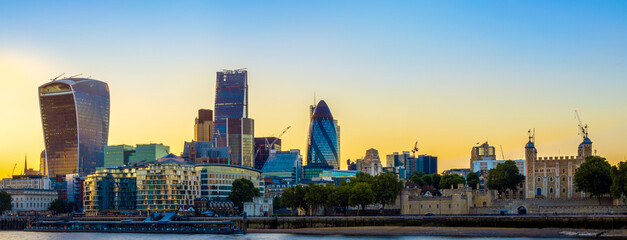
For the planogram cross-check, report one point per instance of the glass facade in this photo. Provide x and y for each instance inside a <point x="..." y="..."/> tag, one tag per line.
<point x="262" y="149"/>
<point x="110" y="189"/>
<point x="322" y="144"/>
<point x="167" y="184"/>
<point x="286" y="166"/>
<point x="75" y="120"/>
<point x="149" y="152"/>
<point x="231" y="101"/>
<point x="118" y="155"/>
<point x="216" y="180"/>
<point x="240" y="139"/>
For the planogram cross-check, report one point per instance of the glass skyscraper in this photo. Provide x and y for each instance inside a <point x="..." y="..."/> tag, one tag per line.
<point x="322" y="147"/>
<point x="231" y="101"/>
<point x="75" y="119"/>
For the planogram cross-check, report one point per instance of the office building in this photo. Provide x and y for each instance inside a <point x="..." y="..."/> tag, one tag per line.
<point x="263" y="146"/>
<point x="284" y="166"/>
<point x="483" y="158"/>
<point x="119" y="155"/>
<point x="322" y="146"/>
<point x="167" y="184"/>
<point x="149" y="152"/>
<point x="423" y="163"/>
<point x="231" y="101"/>
<point x="371" y="164"/>
<point x="240" y="140"/>
<point x="397" y="159"/>
<point x="26" y="182"/>
<point x="216" y="180"/>
<point x="203" y="127"/>
<point x="205" y="152"/>
<point x="75" y="119"/>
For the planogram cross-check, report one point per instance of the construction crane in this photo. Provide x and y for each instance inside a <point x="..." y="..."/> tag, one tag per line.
<point x="502" y="155"/>
<point x="583" y="129"/>
<point x="12" y="171"/>
<point x="269" y="146"/>
<point x="413" y="151"/>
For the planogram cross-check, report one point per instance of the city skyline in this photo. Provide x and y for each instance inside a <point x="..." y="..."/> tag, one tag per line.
<point x="393" y="74"/>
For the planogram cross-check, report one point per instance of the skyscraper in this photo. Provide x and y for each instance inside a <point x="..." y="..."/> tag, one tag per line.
<point x="240" y="138"/>
<point x="203" y="128"/>
<point x="75" y="120"/>
<point x="231" y="101"/>
<point x="322" y="146"/>
<point x="263" y="148"/>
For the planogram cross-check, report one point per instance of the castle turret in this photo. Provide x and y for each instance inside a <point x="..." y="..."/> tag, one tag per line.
<point x="585" y="148"/>
<point x="531" y="154"/>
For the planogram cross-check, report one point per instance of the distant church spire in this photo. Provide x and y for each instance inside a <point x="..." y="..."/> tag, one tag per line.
<point x="25" y="165"/>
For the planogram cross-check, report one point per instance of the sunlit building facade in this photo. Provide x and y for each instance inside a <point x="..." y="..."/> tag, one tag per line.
<point x="216" y="180"/>
<point x="75" y="119"/>
<point x="240" y="140"/>
<point x="203" y="126"/>
<point x="286" y="166"/>
<point x="231" y="101"/>
<point x="322" y="147"/>
<point x="119" y="155"/>
<point x="112" y="188"/>
<point x="167" y="184"/>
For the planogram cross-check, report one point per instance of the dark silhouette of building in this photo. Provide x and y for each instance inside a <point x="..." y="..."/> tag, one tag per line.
<point x="262" y="149"/>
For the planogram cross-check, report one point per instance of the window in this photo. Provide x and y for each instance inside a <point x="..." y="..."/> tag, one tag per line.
<point x="550" y="179"/>
<point x="485" y="204"/>
<point x="550" y="190"/>
<point x="538" y="179"/>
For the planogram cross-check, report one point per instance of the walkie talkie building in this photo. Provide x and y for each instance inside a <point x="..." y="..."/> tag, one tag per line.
<point x="75" y="119"/>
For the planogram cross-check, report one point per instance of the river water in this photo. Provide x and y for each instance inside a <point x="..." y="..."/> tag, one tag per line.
<point x="19" y="235"/>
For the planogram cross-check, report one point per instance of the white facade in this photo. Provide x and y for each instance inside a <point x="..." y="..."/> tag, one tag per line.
<point x="31" y="199"/>
<point x="38" y="183"/>
<point x="487" y="164"/>
<point x="260" y="206"/>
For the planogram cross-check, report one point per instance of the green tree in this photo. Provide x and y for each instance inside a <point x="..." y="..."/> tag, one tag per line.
<point x="504" y="176"/>
<point x="451" y="181"/>
<point x="276" y="203"/>
<point x="416" y="178"/>
<point x="5" y="202"/>
<point x="293" y="197"/>
<point x="436" y="179"/>
<point x="619" y="181"/>
<point x="361" y="195"/>
<point x="315" y="196"/>
<point x="594" y="177"/>
<point x="342" y="194"/>
<point x="386" y="188"/>
<point x="331" y="200"/>
<point x="362" y="177"/>
<point x="59" y="206"/>
<point x="242" y="190"/>
<point x="472" y="179"/>
<point x="427" y="180"/>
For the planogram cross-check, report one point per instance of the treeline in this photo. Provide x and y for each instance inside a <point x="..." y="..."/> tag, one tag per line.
<point x="360" y="191"/>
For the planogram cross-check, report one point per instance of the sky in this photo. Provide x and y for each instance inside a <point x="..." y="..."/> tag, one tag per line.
<point x="448" y="74"/>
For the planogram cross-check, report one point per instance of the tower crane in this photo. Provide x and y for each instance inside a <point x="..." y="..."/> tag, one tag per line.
<point x="583" y="129"/>
<point x="269" y="146"/>
<point x="12" y="171"/>
<point x="413" y="151"/>
<point x="502" y="155"/>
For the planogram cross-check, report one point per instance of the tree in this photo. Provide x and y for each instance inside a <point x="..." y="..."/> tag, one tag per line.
<point x="293" y="197"/>
<point x="451" y="181"/>
<point x="60" y="206"/>
<point x="594" y="176"/>
<point x="276" y="203"/>
<point x="416" y="178"/>
<point x="330" y="197"/>
<point x="472" y="179"/>
<point x="315" y="196"/>
<point x="436" y="179"/>
<point x="386" y="188"/>
<point x="5" y="202"/>
<point x="505" y="176"/>
<point x="242" y="190"/>
<point x="619" y="181"/>
<point x="361" y="195"/>
<point x="342" y="194"/>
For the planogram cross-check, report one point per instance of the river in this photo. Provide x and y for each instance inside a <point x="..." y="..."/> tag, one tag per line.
<point x="20" y="235"/>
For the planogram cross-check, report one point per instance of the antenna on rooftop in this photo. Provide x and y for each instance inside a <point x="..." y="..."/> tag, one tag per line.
<point x="75" y="75"/>
<point x="54" y="79"/>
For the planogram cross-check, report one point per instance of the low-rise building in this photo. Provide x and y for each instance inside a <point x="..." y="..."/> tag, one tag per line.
<point x="26" y="181"/>
<point x="216" y="180"/>
<point x="284" y="165"/>
<point x="260" y="206"/>
<point x="31" y="200"/>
